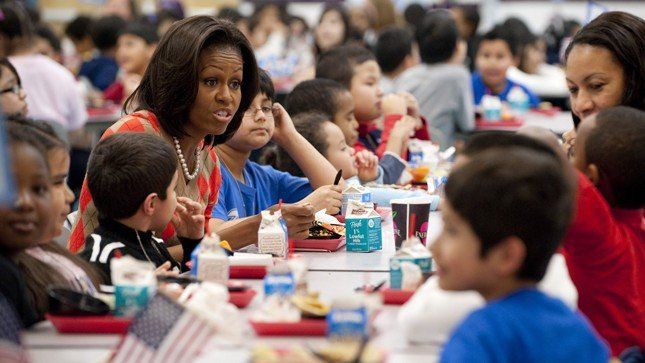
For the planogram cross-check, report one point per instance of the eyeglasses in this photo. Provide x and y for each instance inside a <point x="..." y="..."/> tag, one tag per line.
<point x="15" y="89"/>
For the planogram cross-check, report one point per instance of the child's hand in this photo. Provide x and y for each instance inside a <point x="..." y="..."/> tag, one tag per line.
<point x="298" y="217"/>
<point x="394" y="104"/>
<point x="327" y="197"/>
<point x="188" y="218"/>
<point x="284" y="127"/>
<point x="164" y="270"/>
<point x="367" y="164"/>
<point x="411" y="103"/>
<point x="404" y="127"/>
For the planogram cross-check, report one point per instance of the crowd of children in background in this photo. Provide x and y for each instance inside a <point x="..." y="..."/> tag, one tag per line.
<point x="561" y="222"/>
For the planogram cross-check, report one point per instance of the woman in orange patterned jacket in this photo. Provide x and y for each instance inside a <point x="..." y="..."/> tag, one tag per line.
<point x="200" y="81"/>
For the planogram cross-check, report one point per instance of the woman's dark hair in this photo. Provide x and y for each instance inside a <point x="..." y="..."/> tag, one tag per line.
<point x="309" y="125"/>
<point x="4" y="62"/>
<point x="166" y="86"/>
<point x="623" y="35"/>
<point x="344" y="16"/>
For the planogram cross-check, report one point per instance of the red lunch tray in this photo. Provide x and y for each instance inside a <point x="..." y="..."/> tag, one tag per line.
<point x="547" y="112"/>
<point x="319" y="245"/>
<point x="247" y="272"/>
<point x="104" y="324"/>
<point x="241" y="299"/>
<point x="396" y="297"/>
<point x="305" y="327"/>
<point x="492" y="125"/>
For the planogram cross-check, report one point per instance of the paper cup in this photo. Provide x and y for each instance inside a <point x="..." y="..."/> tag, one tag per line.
<point x="402" y="209"/>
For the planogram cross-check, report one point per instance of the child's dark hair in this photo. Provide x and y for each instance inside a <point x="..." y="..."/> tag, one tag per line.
<point x="525" y="193"/>
<point x="15" y="21"/>
<point x="437" y="37"/>
<point x="143" y="30"/>
<point x="22" y="134"/>
<point x="623" y="35"/>
<point x="393" y="45"/>
<point x="266" y="84"/>
<point x="314" y="95"/>
<point x="414" y="14"/>
<point x="616" y="145"/>
<point x="45" y="32"/>
<point x="471" y="16"/>
<point x="309" y="125"/>
<point x="43" y="133"/>
<point x="105" y="31"/>
<point x="170" y="84"/>
<point x="502" y="140"/>
<point x="338" y="64"/>
<point x="125" y="168"/>
<point x="499" y="32"/>
<point x="79" y="28"/>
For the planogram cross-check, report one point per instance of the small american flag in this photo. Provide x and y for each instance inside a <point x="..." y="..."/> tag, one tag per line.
<point x="164" y="332"/>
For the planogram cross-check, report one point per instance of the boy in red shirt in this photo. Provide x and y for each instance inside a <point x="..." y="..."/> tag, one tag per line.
<point x="605" y="245"/>
<point x="356" y="68"/>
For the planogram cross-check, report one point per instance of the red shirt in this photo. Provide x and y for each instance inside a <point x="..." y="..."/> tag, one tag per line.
<point x="372" y="138"/>
<point x="605" y="253"/>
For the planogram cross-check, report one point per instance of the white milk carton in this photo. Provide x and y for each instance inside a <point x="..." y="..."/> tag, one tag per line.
<point x="272" y="235"/>
<point x="362" y="228"/>
<point x="414" y="252"/>
<point x="355" y="192"/>
<point x="212" y="261"/>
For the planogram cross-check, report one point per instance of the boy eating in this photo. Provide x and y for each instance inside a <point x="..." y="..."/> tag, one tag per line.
<point x="249" y="188"/>
<point x="495" y="55"/>
<point x="132" y="178"/>
<point x="505" y="214"/>
<point x="355" y="68"/>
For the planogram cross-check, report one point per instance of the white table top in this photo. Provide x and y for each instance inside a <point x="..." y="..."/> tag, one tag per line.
<point x="372" y="262"/>
<point x="333" y="275"/>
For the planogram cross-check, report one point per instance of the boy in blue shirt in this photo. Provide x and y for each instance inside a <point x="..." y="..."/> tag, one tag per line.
<point x="496" y="52"/>
<point x="249" y="188"/>
<point x="505" y="213"/>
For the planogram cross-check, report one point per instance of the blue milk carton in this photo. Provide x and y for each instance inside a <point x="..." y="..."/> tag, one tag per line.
<point x="362" y="228"/>
<point x="355" y="192"/>
<point x="412" y="251"/>
<point x="134" y="285"/>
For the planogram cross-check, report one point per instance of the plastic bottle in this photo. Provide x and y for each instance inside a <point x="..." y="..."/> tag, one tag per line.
<point x="518" y="100"/>
<point x="279" y="280"/>
<point x="492" y="108"/>
<point x="347" y="318"/>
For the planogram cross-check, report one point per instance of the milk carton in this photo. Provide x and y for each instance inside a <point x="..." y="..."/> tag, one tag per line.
<point x="134" y="284"/>
<point x="362" y="227"/>
<point x="210" y="263"/>
<point x="518" y="100"/>
<point x="412" y="251"/>
<point x="355" y="192"/>
<point x="272" y="235"/>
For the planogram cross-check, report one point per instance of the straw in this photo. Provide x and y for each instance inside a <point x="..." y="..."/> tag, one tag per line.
<point x="280" y="205"/>
<point x="413" y="217"/>
<point x="338" y="175"/>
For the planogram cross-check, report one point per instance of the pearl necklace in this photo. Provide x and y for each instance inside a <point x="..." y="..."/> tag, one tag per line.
<point x="182" y="161"/>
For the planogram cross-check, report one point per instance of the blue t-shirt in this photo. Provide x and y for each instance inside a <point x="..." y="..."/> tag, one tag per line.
<point x="264" y="187"/>
<point x="525" y="326"/>
<point x="480" y="89"/>
<point x="101" y="71"/>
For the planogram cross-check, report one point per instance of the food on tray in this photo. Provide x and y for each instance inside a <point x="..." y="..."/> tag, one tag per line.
<point x="339" y="351"/>
<point x="276" y="308"/>
<point x="310" y="306"/>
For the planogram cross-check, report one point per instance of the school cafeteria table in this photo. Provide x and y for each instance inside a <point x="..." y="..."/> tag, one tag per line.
<point x="559" y="122"/>
<point x="332" y="274"/>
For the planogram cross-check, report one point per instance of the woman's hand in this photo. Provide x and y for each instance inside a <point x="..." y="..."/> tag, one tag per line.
<point x="189" y="218"/>
<point x="284" y="128"/>
<point x="367" y="165"/>
<point x="328" y="197"/>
